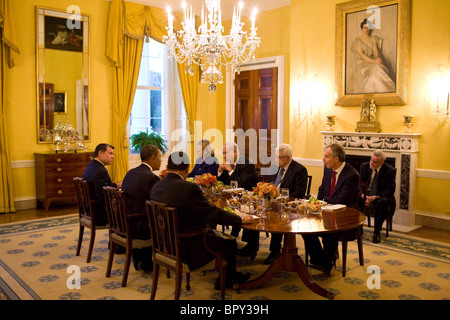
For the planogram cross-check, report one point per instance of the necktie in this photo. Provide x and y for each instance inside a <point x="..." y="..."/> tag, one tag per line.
<point x="279" y="176"/>
<point x="333" y="184"/>
<point x="374" y="184"/>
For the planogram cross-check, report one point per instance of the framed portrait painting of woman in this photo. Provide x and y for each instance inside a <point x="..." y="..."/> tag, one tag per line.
<point x="372" y="51"/>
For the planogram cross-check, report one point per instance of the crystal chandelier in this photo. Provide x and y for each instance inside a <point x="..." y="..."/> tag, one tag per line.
<point x="207" y="47"/>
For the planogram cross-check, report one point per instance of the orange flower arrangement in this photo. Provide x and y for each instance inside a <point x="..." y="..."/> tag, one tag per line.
<point x="206" y="180"/>
<point x="267" y="190"/>
<point x="163" y="174"/>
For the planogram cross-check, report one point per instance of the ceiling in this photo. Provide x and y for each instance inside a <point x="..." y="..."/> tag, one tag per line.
<point x="226" y="5"/>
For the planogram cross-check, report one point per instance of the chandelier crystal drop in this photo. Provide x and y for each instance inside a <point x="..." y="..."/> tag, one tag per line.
<point x="207" y="47"/>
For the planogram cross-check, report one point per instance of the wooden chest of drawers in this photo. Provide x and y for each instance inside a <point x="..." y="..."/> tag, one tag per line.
<point x="55" y="173"/>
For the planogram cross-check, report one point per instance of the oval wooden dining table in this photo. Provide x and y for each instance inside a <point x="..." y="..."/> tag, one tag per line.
<point x="333" y="221"/>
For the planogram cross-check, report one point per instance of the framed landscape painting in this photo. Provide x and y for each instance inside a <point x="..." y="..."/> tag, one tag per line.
<point x="372" y="51"/>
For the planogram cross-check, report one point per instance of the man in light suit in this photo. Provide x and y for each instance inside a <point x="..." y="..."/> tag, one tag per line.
<point x="98" y="177"/>
<point x="380" y="178"/>
<point x="138" y="184"/>
<point x="196" y="213"/>
<point x="293" y="176"/>
<point x="340" y="185"/>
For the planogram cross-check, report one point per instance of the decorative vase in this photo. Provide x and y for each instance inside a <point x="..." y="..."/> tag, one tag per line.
<point x="267" y="204"/>
<point x="330" y="122"/>
<point x="408" y="123"/>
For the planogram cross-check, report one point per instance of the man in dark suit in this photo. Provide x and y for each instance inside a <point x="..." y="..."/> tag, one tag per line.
<point x="138" y="184"/>
<point x="98" y="177"/>
<point x="241" y="169"/>
<point x="380" y="178"/>
<point x="340" y="185"/>
<point x="237" y="167"/>
<point x="293" y="176"/>
<point x="196" y="213"/>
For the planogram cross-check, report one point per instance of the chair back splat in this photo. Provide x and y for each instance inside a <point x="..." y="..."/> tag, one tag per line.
<point x="164" y="228"/>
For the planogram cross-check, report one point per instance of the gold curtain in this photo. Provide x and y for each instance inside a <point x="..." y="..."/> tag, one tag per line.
<point x="189" y="89"/>
<point x="8" y="52"/>
<point x="128" y="25"/>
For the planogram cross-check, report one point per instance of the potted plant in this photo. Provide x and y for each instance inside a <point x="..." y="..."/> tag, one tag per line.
<point x="142" y="138"/>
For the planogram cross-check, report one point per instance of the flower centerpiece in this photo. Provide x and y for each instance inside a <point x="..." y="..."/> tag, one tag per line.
<point x="266" y="191"/>
<point x="207" y="182"/>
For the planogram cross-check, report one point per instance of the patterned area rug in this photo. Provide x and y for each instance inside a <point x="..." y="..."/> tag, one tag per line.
<point x="37" y="261"/>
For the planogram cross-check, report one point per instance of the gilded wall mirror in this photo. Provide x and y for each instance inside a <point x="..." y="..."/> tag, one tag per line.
<point x="62" y="63"/>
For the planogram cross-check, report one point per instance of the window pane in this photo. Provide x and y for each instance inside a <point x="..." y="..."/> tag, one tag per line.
<point x="155" y="103"/>
<point x="156" y="124"/>
<point x="151" y="70"/>
<point x="141" y="106"/>
<point x="142" y="123"/>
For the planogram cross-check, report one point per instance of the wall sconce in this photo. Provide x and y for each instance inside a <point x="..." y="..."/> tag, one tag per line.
<point x="311" y="95"/>
<point x="439" y="94"/>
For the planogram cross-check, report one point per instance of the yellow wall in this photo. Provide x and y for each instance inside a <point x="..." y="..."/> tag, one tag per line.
<point x="312" y="51"/>
<point x="21" y="86"/>
<point x="304" y="33"/>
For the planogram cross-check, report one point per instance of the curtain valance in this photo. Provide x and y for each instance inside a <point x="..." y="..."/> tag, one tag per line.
<point x="136" y="21"/>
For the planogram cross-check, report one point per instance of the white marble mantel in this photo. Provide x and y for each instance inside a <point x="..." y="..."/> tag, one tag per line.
<point x="403" y="147"/>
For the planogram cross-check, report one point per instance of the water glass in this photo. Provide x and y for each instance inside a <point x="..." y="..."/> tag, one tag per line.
<point x="233" y="184"/>
<point x="284" y="194"/>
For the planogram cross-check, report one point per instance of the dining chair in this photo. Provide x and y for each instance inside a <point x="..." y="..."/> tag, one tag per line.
<point x="345" y="237"/>
<point x="86" y="215"/>
<point x="120" y="229"/>
<point x="308" y="187"/>
<point x="167" y="238"/>
<point x="368" y="209"/>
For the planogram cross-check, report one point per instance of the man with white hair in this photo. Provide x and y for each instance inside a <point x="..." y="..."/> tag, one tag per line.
<point x="237" y="167"/>
<point x="241" y="169"/>
<point x="380" y="177"/>
<point x="290" y="175"/>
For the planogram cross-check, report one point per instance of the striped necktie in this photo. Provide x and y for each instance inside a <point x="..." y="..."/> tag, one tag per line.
<point x="279" y="176"/>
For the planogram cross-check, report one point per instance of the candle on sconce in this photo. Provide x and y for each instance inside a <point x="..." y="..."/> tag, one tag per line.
<point x="170" y="20"/>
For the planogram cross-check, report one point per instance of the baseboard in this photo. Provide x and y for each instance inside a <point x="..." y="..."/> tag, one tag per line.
<point x="25" y="203"/>
<point x="433" y="220"/>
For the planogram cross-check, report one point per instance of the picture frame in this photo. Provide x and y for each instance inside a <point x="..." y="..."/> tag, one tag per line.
<point x="384" y="35"/>
<point x="60" y="102"/>
<point x="60" y="34"/>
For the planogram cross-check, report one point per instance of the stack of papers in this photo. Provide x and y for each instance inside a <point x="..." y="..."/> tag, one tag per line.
<point x="331" y="207"/>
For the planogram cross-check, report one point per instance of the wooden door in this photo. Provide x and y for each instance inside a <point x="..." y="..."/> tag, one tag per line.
<point x="256" y="114"/>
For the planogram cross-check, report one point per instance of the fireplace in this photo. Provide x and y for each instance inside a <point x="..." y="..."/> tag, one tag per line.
<point x="401" y="150"/>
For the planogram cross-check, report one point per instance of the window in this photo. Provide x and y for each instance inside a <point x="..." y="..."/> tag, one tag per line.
<point x="157" y="102"/>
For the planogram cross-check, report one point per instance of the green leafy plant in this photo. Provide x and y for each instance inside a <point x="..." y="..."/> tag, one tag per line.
<point x="142" y="138"/>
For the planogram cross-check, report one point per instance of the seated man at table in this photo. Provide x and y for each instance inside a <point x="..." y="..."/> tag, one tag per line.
<point x="196" y="213"/>
<point x="237" y="167"/>
<point x="138" y="184"/>
<point x="380" y="178"/>
<point x="241" y="169"/>
<point x="291" y="175"/>
<point x="98" y="177"/>
<point x="340" y="185"/>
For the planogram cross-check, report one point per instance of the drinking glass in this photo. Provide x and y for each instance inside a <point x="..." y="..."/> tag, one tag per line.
<point x="233" y="184"/>
<point x="284" y="194"/>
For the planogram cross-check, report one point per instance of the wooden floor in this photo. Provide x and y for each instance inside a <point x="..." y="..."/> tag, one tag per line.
<point x="31" y="214"/>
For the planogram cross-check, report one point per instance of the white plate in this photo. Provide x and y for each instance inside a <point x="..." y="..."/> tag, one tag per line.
<point x="232" y="190"/>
